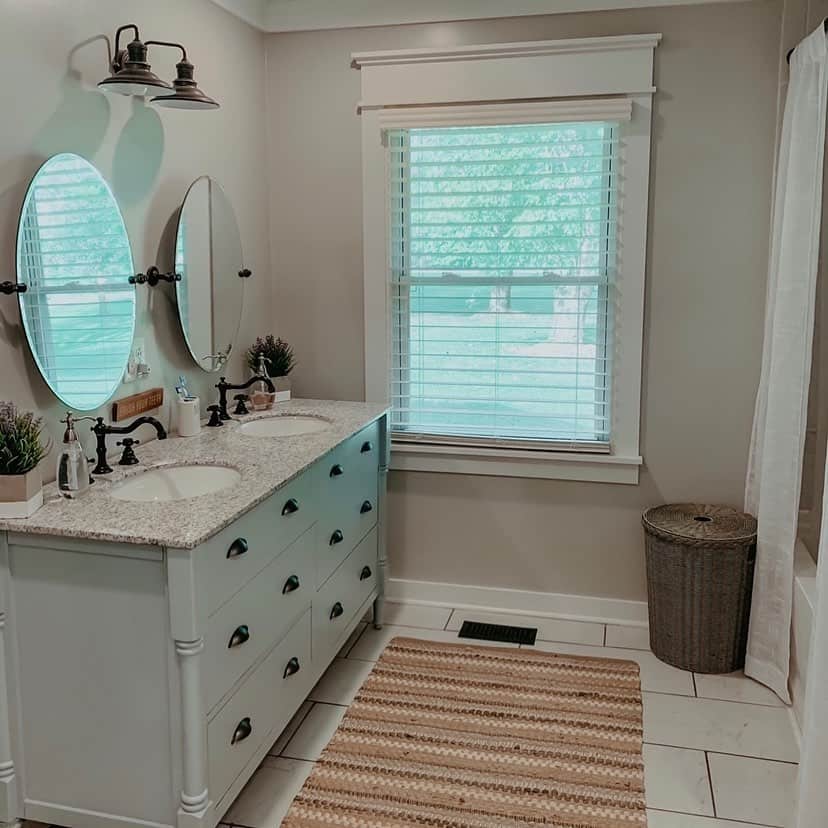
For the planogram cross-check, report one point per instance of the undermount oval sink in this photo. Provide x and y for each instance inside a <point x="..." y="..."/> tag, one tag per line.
<point x="175" y="483"/>
<point x="285" y="425"/>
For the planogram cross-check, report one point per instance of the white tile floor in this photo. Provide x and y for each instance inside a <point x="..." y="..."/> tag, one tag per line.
<point x="719" y="751"/>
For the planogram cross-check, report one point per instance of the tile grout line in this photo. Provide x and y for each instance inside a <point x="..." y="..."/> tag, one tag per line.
<point x="356" y="641"/>
<point x="710" y="783"/>
<point x="699" y="816"/>
<point x="307" y="713"/>
<point x="722" y="753"/>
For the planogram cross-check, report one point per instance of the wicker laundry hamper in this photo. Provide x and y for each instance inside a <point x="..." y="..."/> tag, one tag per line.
<point x="700" y="562"/>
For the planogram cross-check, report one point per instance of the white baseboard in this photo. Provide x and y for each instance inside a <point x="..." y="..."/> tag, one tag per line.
<point x="519" y="602"/>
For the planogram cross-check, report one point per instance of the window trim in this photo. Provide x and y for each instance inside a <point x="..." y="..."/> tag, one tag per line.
<point x="584" y="79"/>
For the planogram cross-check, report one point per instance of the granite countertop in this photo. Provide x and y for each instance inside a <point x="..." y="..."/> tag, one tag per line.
<point x="265" y="464"/>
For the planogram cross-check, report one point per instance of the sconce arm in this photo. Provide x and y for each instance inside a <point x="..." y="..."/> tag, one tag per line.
<point x="170" y="45"/>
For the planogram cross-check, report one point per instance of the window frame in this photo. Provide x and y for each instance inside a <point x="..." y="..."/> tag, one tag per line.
<point x="570" y="80"/>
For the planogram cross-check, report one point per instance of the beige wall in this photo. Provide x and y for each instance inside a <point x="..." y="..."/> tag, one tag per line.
<point x="714" y="125"/>
<point x="53" y="56"/>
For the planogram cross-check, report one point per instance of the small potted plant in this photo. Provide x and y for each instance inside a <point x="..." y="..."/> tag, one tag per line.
<point x="21" y="450"/>
<point x="278" y="359"/>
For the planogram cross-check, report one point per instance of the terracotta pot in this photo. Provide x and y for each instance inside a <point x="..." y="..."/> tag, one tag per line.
<point x="21" y="495"/>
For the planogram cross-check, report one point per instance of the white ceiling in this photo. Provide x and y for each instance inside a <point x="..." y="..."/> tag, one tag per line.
<point x="303" y="15"/>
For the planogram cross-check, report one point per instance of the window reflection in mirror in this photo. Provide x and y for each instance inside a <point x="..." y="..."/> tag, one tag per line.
<point x="73" y="254"/>
<point x="208" y="256"/>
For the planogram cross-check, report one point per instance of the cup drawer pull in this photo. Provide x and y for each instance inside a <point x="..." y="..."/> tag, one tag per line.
<point x="337" y="470"/>
<point x="291" y="585"/>
<point x="336" y="610"/>
<point x="240" y="635"/>
<point x="366" y="507"/>
<point x="237" y="548"/>
<point x="290" y="507"/>
<point x="243" y="729"/>
<point x="292" y="667"/>
<point x="366" y="573"/>
<point x="336" y="537"/>
<point x="366" y="447"/>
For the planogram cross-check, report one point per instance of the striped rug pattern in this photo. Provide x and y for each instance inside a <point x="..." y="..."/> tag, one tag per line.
<point x="463" y="736"/>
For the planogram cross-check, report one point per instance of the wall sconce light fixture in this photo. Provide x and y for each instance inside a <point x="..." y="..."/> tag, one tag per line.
<point x="132" y="75"/>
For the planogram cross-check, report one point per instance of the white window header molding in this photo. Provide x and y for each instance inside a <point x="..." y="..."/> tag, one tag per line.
<point x="532" y="112"/>
<point x="577" y="67"/>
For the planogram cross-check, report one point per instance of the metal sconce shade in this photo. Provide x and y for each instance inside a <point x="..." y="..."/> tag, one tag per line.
<point x="186" y="94"/>
<point x="131" y="74"/>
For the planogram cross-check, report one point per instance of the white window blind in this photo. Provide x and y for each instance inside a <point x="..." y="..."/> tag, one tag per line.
<point x="502" y="263"/>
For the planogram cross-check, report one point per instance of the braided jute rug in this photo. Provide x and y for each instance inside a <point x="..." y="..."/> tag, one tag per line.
<point x="464" y="736"/>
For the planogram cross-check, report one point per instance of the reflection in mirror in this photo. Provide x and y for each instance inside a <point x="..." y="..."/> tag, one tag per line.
<point x="208" y="255"/>
<point x="73" y="255"/>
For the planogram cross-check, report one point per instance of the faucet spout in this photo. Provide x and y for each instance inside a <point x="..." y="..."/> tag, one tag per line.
<point x="101" y="429"/>
<point x="224" y="386"/>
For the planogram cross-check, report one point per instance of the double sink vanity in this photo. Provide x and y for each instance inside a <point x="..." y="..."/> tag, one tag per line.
<point x="160" y="632"/>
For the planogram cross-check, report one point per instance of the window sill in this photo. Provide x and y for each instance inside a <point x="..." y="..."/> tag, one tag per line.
<point x="596" y="468"/>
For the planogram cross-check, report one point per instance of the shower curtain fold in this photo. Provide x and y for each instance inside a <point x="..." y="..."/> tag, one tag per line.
<point x="778" y="438"/>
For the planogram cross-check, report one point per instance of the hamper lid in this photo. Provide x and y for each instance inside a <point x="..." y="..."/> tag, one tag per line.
<point x="701" y="521"/>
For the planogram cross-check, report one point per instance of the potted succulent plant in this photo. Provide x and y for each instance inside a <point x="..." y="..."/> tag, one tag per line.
<point x="279" y="361"/>
<point x="21" y="450"/>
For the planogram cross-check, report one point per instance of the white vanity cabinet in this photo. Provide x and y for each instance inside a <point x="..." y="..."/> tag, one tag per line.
<point x="142" y="684"/>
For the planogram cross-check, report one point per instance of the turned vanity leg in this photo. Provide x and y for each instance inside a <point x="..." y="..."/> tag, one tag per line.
<point x="382" y="524"/>
<point x="8" y="779"/>
<point x="186" y="624"/>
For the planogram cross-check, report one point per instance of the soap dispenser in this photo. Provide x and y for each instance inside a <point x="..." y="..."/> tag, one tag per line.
<point x="73" y="477"/>
<point x="260" y="396"/>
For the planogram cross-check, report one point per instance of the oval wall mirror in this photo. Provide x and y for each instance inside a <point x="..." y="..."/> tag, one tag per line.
<point x="74" y="257"/>
<point x="208" y="256"/>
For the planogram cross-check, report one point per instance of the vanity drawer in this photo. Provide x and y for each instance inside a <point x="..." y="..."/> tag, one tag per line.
<point x="342" y="596"/>
<point x="257" y="616"/>
<point x="260" y="708"/>
<point x="344" y="521"/>
<point x="230" y="559"/>
<point x="363" y="450"/>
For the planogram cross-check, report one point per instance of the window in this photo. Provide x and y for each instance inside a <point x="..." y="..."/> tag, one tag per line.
<point x="502" y="256"/>
<point x="505" y="193"/>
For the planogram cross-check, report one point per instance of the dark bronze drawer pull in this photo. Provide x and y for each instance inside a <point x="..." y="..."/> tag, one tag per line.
<point x="337" y="537"/>
<point x="337" y="470"/>
<point x="336" y="610"/>
<point x="292" y="667"/>
<point x="243" y="729"/>
<point x="366" y="507"/>
<point x="240" y="636"/>
<point x="291" y="585"/>
<point x="237" y="548"/>
<point x="290" y="507"/>
<point x="366" y="573"/>
<point x="366" y="447"/>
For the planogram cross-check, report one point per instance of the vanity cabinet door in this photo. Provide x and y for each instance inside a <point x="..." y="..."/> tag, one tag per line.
<point x="257" y="616"/>
<point x="260" y="708"/>
<point x="229" y="560"/>
<point x="335" y="605"/>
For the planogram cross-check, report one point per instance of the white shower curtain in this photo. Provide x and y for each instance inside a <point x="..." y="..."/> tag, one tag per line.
<point x="813" y="767"/>
<point x="778" y="438"/>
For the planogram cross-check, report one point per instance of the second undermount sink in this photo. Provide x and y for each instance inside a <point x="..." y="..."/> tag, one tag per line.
<point x="175" y="483"/>
<point x="285" y="425"/>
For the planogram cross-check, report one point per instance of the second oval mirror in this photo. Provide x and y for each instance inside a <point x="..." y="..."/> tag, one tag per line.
<point x="208" y="255"/>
